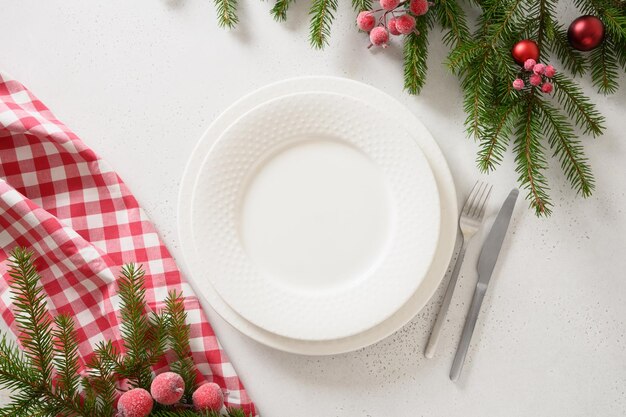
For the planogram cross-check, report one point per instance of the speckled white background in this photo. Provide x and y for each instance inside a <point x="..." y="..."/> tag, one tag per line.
<point x="140" y="81"/>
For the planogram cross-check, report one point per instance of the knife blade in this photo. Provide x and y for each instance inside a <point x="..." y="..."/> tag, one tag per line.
<point x="486" y="264"/>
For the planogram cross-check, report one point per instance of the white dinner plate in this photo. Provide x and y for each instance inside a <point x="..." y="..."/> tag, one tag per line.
<point x="395" y="111"/>
<point x="314" y="216"/>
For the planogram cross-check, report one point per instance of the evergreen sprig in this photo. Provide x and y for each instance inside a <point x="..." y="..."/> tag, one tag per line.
<point x="44" y="377"/>
<point x="178" y="332"/>
<point x="322" y="14"/>
<point x="227" y="13"/>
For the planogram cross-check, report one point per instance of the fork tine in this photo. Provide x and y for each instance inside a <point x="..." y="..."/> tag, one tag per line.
<point x="481" y="213"/>
<point x="472" y="196"/>
<point x="478" y="201"/>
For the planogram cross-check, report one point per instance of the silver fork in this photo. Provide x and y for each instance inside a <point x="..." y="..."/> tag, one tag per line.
<point x="470" y="221"/>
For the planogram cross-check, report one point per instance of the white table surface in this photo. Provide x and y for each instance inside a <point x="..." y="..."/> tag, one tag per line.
<point x="140" y="80"/>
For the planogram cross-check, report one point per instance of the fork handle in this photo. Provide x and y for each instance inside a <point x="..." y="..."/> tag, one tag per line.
<point x="433" y="340"/>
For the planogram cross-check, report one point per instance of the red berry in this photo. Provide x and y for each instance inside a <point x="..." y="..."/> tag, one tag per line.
<point x="549" y="71"/>
<point x="535" y="79"/>
<point x="389" y="4"/>
<point x="135" y="403"/>
<point x="167" y="388"/>
<point x="208" y="396"/>
<point x="518" y="84"/>
<point x="366" y="21"/>
<point x="405" y="24"/>
<point x="418" y="7"/>
<point x="392" y="27"/>
<point x="379" y="36"/>
<point x="547" y="88"/>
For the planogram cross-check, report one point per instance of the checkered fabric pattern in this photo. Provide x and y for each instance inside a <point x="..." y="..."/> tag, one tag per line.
<point x="59" y="199"/>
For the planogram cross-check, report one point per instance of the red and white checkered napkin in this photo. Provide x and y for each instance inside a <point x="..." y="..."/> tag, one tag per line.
<point x="59" y="199"/>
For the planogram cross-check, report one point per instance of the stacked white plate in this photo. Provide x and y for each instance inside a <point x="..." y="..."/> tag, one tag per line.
<point x="317" y="215"/>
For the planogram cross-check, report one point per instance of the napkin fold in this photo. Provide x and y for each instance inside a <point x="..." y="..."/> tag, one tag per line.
<point x="60" y="200"/>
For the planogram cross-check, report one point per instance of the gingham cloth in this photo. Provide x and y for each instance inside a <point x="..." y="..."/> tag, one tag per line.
<point x="60" y="200"/>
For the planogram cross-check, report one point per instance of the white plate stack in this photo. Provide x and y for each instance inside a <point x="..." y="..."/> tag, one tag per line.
<point x="317" y="215"/>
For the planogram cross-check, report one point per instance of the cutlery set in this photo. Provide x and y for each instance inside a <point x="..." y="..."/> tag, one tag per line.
<point x="470" y="222"/>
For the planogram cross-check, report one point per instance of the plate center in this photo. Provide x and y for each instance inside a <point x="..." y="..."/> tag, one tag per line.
<point x="316" y="215"/>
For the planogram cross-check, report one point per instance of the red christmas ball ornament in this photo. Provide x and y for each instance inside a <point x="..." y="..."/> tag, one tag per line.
<point x="525" y="49"/>
<point x="585" y="33"/>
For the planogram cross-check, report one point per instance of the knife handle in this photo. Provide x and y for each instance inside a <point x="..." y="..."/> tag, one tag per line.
<point x="468" y="331"/>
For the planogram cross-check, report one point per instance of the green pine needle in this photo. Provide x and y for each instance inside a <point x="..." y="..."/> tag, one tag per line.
<point x="529" y="156"/>
<point x="279" y="11"/>
<point x="567" y="148"/>
<point x="451" y="16"/>
<point x="415" y="57"/>
<point x="578" y="107"/>
<point x="604" y="67"/>
<point x="178" y="331"/>
<point x="66" y="359"/>
<point x="31" y="313"/>
<point x="227" y="13"/>
<point x="322" y="14"/>
<point x="361" y="5"/>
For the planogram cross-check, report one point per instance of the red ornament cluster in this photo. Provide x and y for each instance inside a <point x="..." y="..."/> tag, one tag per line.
<point x="393" y="18"/>
<point x="585" y="33"/>
<point x="537" y="75"/>
<point x="168" y="389"/>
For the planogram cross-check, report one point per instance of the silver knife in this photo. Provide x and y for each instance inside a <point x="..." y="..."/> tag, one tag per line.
<point x="486" y="263"/>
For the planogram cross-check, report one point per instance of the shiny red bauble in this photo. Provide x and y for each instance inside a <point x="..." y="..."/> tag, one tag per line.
<point x="585" y="33"/>
<point x="525" y="49"/>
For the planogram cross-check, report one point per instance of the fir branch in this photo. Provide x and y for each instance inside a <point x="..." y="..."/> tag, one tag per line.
<point x="31" y="313"/>
<point x="452" y="17"/>
<point x="178" y="331"/>
<point x="463" y="56"/>
<point x="567" y="148"/>
<point x="529" y="156"/>
<point x="415" y="56"/>
<point x="227" y="13"/>
<point x="495" y="139"/>
<point x="16" y="371"/>
<point x="101" y="383"/>
<point x="604" y="67"/>
<point x="279" y="11"/>
<point x="322" y="14"/>
<point x="361" y="5"/>
<point x="66" y="359"/>
<point x="579" y="108"/>
<point x="135" y="326"/>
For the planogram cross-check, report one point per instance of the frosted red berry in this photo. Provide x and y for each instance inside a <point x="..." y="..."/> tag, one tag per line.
<point x="549" y="71"/>
<point x="418" y="7"/>
<point x="389" y="4"/>
<point x="391" y="25"/>
<point x="539" y="69"/>
<point x="518" y="84"/>
<point x="366" y="21"/>
<point x="529" y="64"/>
<point x="535" y="79"/>
<point x="379" y="36"/>
<point x="167" y="388"/>
<point x="547" y="88"/>
<point x="135" y="403"/>
<point x="405" y="24"/>
<point x="208" y="396"/>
